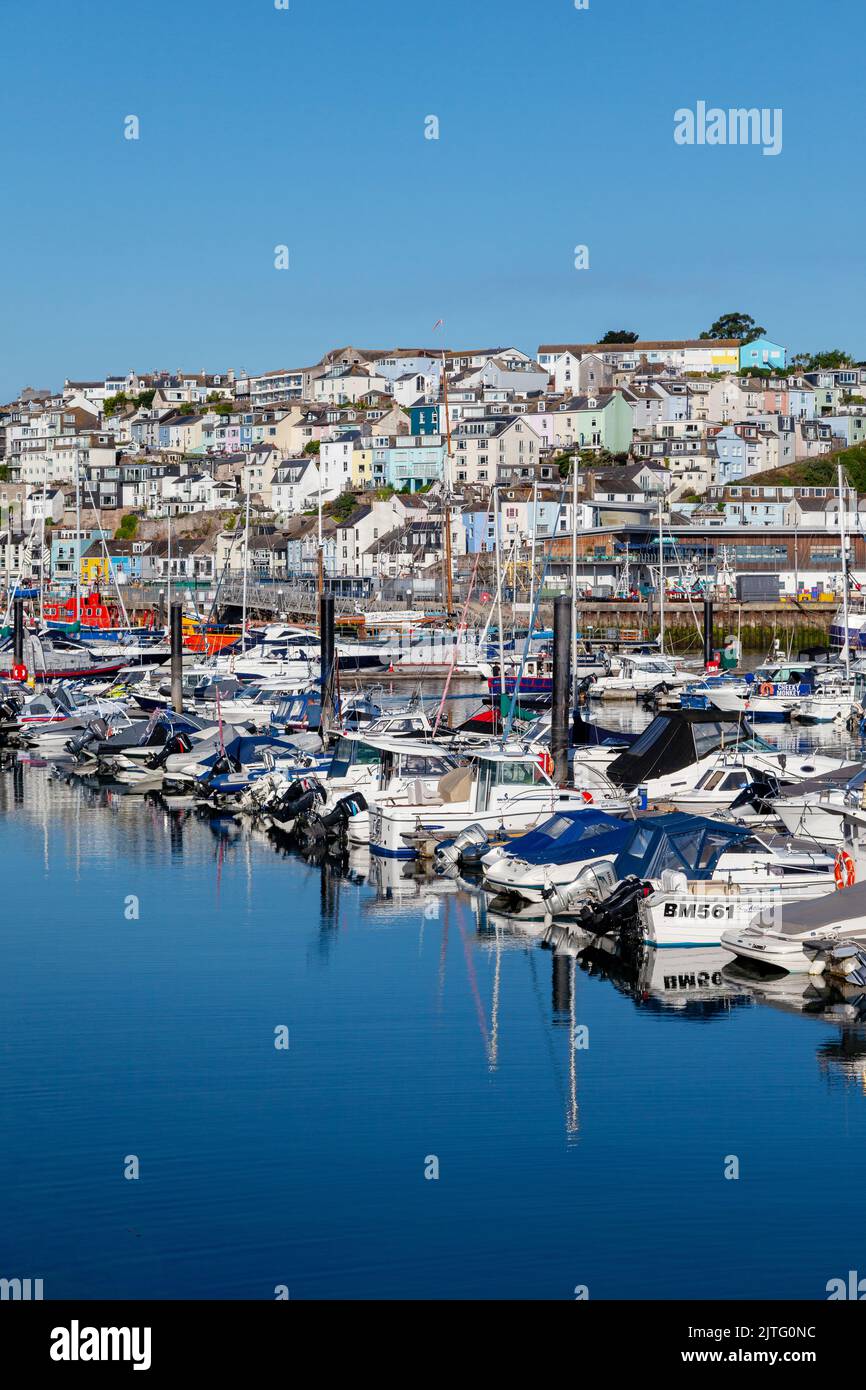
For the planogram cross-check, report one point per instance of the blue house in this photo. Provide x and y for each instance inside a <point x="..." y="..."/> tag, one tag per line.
<point x="763" y="353"/>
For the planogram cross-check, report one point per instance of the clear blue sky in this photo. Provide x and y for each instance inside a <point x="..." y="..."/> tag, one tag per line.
<point x="306" y="127"/>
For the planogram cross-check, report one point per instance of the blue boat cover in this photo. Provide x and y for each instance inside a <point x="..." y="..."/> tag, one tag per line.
<point x="572" y="835"/>
<point x="692" y="844"/>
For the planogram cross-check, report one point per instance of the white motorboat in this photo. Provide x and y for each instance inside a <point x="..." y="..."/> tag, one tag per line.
<point x="705" y="761"/>
<point x="639" y="674"/>
<point x="501" y="792"/>
<point x="800" y="932"/>
<point x="383" y="769"/>
<point x="773" y="692"/>
<point x="815" y="808"/>
<point x="552" y="856"/>
<point x="832" y="699"/>
<point x="683" y="878"/>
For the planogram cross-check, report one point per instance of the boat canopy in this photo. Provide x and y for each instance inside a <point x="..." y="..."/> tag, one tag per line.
<point x="584" y="733"/>
<point x="691" y="844"/>
<point x="674" y="740"/>
<point x="572" y="835"/>
<point x="823" y="913"/>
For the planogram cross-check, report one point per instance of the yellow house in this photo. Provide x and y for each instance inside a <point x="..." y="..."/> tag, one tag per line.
<point x="362" y="467"/>
<point x="94" y="567"/>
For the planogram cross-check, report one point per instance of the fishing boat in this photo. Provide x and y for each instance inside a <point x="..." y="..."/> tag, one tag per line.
<point x="98" y="620"/>
<point x="209" y="638"/>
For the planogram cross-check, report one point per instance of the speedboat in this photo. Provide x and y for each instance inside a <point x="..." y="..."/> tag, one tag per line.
<point x="554" y="854"/>
<point x="679" y="879"/>
<point x="798" y="934"/>
<point x="816" y="806"/>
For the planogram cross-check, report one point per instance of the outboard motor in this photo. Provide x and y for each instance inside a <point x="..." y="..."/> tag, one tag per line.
<point x="298" y="800"/>
<point x="575" y="899"/>
<point x="96" y="731"/>
<point x="178" y="743"/>
<point x="618" y="911"/>
<point x="10" y="708"/>
<point x="650" y="698"/>
<point x="465" y="848"/>
<point x="332" y="825"/>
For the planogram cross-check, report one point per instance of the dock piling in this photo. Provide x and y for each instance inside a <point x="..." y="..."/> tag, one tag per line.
<point x="18" y="631"/>
<point x="561" y="687"/>
<point x="176" y="632"/>
<point x="709" y="647"/>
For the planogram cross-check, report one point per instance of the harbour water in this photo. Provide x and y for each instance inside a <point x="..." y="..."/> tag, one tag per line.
<point x="582" y="1115"/>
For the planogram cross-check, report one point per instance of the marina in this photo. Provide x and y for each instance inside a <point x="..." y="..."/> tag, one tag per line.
<point x="544" y="942"/>
<point x="421" y="1022"/>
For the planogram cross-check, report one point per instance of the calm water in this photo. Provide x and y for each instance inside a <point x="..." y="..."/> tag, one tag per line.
<point x="419" y="1026"/>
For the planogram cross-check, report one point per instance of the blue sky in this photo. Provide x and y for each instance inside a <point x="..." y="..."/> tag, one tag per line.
<point x="305" y="127"/>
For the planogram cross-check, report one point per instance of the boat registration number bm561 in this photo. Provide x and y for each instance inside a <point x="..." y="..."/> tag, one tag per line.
<point x="699" y="910"/>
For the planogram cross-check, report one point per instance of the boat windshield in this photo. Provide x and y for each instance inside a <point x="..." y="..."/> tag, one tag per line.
<point x="754" y="744"/>
<point x="348" y="753"/>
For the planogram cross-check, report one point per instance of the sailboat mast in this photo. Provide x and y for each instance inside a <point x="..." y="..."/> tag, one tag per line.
<point x="661" y="583"/>
<point x="246" y="566"/>
<point x="42" y="543"/>
<point x="574" y="578"/>
<point x="532" y="554"/>
<point x="847" y="647"/>
<point x="498" y="551"/>
<point x="446" y="510"/>
<point x="78" y="536"/>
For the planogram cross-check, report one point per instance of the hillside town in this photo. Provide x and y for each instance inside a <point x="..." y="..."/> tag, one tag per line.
<point x="348" y="472"/>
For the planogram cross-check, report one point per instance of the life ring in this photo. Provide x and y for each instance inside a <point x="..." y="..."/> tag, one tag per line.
<point x="766" y="688"/>
<point x="545" y="762"/>
<point x="843" y="869"/>
<point x="587" y="796"/>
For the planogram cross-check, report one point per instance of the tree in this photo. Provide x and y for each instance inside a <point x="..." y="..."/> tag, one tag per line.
<point x="224" y="408"/>
<point x="740" y="326"/>
<point x="343" y="506"/>
<point x="822" y="361"/>
<point x="619" y="335"/>
<point x="313" y="448"/>
<point x="127" y="528"/>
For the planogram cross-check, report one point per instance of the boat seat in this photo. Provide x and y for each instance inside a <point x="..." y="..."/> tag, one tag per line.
<point x="423" y="794"/>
